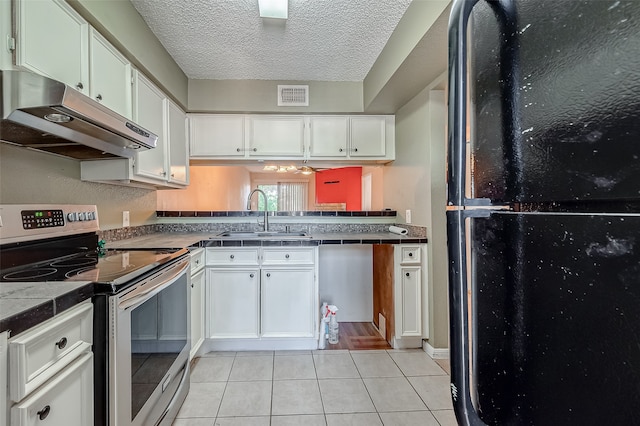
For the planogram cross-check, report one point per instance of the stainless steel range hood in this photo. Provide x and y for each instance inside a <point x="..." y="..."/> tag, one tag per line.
<point x="47" y="115"/>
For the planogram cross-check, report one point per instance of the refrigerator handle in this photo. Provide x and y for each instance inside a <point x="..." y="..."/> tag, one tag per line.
<point x="505" y="12"/>
<point x="457" y="126"/>
<point x="459" y="340"/>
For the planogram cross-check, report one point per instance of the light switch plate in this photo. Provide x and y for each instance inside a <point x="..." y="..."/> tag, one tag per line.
<point x="125" y="218"/>
<point x="407" y="216"/>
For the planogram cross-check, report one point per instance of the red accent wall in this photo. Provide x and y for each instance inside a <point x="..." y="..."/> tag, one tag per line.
<point x="342" y="185"/>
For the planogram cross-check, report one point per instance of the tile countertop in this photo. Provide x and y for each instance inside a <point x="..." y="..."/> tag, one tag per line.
<point x="24" y="305"/>
<point x="200" y="239"/>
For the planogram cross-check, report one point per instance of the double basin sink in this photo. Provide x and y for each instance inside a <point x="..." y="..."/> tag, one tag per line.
<point x="264" y="235"/>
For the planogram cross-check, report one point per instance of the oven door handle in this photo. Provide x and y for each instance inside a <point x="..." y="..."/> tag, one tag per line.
<point x="154" y="285"/>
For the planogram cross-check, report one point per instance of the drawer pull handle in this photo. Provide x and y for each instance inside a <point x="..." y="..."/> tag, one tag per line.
<point x="286" y="256"/>
<point x="232" y="257"/>
<point x="250" y="275"/>
<point x="191" y="285"/>
<point x="268" y="275"/>
<point x="61" y="344"/>
<point x="79" y="86"/>
<point x="99" y="97"/>
<point x="44" y="413"/>
<point x="410" y="254"/>
<point x="407" y="274"/>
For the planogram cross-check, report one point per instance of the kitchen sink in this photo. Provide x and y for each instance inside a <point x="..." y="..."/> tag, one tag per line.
<point x="271" y="235"/>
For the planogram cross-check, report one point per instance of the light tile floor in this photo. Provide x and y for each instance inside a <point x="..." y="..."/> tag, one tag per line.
<point x="330" y="388"/>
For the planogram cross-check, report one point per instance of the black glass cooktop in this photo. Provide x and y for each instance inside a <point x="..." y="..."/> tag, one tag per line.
<point x="109" y="267"/>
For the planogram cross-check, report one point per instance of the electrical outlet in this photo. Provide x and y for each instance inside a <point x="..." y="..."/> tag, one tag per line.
<point x="125" y="218"/>
<point x="407" y="216"/>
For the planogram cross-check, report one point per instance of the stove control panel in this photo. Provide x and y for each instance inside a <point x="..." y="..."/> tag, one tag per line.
<point x="32" y="221"/>
<point x="42" y="218"/>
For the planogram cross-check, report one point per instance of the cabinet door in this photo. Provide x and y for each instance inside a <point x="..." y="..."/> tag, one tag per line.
<point x="216" y="135"/>
<point x="271" y="136"/>
<point x="368" y="136"/>
<point x="287" y="303"/>
<point x="52" y="40"/>
<point x="408" y="298"/>
<point x="233" y="303"/>
<point x="149" y="112"/>
<point x="67" y="399"/>
<point x="110" y="75"/>
<point x="197" y="312"/>
<point x="178" y="146"/>
<point x="329" y="136"/>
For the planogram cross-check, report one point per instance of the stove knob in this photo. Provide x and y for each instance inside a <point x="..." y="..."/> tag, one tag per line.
<point x="81" y="216"/>
<point x="72" y="217"/>
<point x="92" y="215"/>
<point x="88" y="215"/>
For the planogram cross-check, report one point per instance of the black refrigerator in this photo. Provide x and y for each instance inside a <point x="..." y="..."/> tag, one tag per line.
<point x="543" y="212"/>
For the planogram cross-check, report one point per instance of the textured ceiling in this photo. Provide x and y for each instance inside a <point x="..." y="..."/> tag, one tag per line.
<point x="323" y="40"/>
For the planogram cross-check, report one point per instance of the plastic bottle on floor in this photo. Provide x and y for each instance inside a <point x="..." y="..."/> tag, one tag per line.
<point x="333" y="325"/>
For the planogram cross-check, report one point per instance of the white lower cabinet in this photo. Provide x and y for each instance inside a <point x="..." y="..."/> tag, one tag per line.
<point x="233" y="303"/>
<point x="197" y="301"/>
<point x="261" y="298"/>
<point x="51" y="371"/>
<point x="409" y="276"/>
<point x="65" y="400"/>
<point x="287" y="301"/>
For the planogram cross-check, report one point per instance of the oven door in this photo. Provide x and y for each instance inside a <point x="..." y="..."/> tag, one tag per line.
<point x="149" y="348"/>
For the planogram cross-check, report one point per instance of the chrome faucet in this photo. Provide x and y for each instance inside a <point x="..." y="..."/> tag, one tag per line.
<point x="266" y="218"/>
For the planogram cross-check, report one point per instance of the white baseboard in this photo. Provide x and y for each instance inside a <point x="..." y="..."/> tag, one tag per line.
<point x="435" y="353"/>
<point x="263" y="344"/>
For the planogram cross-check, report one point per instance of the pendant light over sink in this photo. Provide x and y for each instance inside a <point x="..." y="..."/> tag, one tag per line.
<point x="274" y="9"/>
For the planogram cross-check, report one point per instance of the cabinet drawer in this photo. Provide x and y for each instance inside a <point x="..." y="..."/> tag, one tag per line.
<point x="288" y="256"/>
<point x="230" y="257"/>
<point x="65" y="400"/>
<point x="410" y="254"/>
<point x="197" y="260"/>
<point x="38" y="354"/>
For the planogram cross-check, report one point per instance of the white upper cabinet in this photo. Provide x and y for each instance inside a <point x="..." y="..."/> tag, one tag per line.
<point x="52" y="40"/>
<point x="354" y="139"/>
<point x="276" y="136"/>
<point x="368" y="136"/>
<point x="110" y="75"/>
<point x="162" y="167"/>
<point x="329" y="136"/>
<point x="149" y="112"/>
<point x="218" y="135"/>
<point x="178" y="144"/>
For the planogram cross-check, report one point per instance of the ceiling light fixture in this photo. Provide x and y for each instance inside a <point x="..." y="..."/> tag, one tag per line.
<point x="270" y="168"/>
<point x="276" y="9"/>
<point x="282" y="169"/>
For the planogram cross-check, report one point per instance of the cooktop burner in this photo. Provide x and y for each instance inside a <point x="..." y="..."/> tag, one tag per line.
<point x="106" y="267"/>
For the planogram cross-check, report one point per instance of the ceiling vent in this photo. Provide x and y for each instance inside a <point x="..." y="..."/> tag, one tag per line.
<point x="293" y="95"/>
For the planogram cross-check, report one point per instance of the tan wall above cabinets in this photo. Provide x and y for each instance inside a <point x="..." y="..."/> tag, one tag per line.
<point x="352" y="139"/>
<point x="260" y="96"/>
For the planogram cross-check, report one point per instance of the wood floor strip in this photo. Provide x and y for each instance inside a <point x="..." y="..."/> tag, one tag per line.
<point x="359" y="336"/>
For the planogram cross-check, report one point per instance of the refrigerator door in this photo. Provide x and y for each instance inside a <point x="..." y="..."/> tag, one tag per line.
<point x="555" y="101"/>
<point x="555" y="307"/>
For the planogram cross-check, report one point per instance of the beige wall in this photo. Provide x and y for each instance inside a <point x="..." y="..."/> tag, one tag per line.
<point x="377" y="187"/>
<point x="419" y="17"/>
<point x="28" y="176"/>
<point x="261" y="96"/>
<point x="210" y="188"/>
<point x="416" y="181"/>
<point x="123" y="26"/>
